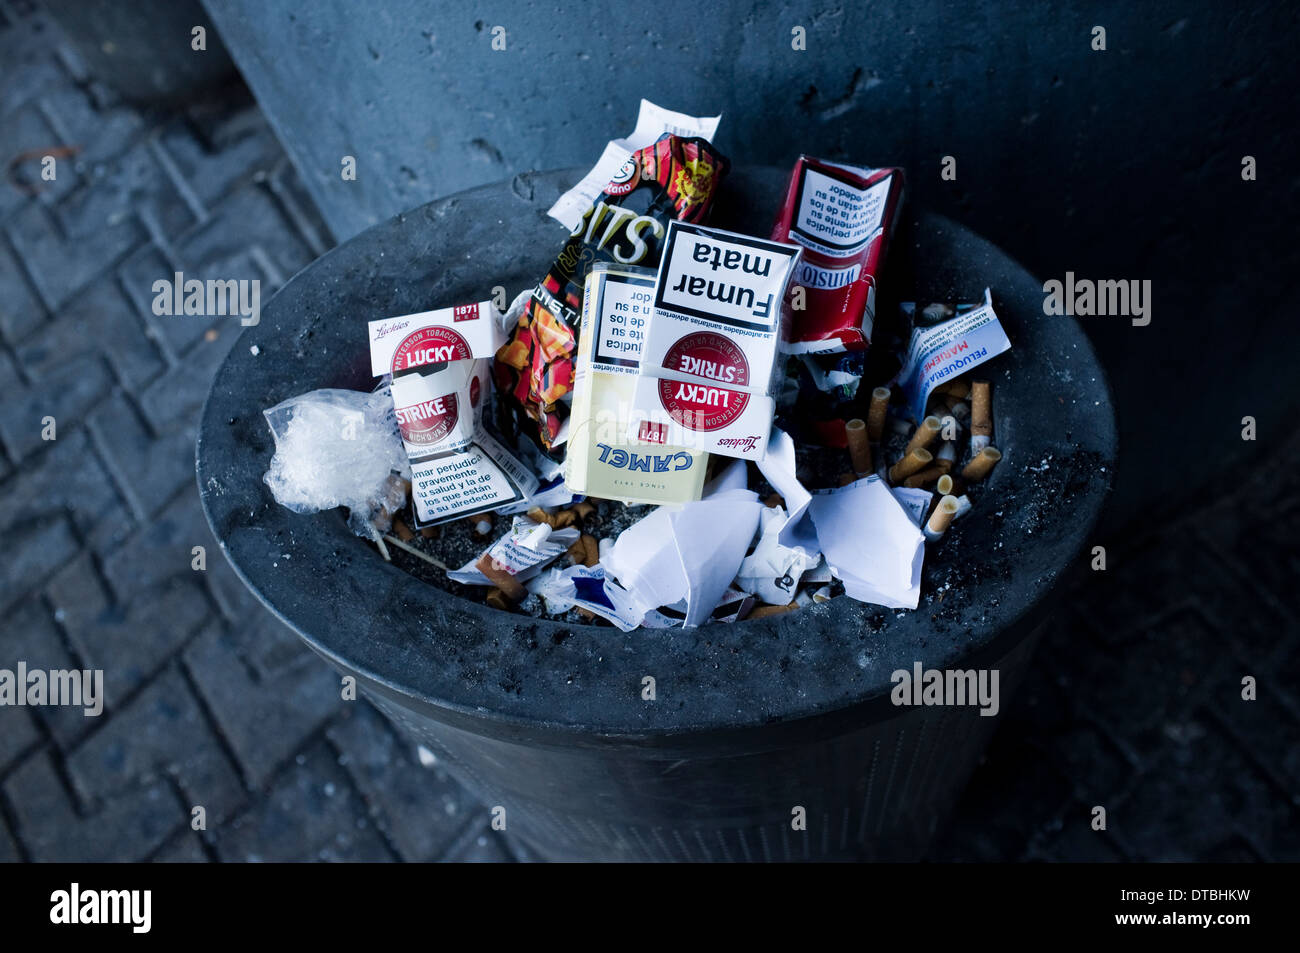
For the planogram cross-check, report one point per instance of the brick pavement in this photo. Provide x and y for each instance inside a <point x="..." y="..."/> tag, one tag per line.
<point x="1133" y="703"/>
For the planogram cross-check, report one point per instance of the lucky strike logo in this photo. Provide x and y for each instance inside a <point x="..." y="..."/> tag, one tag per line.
<point x="429" y="421"/>
<point x="430" y="346"/>
<point x="699" y="405"/>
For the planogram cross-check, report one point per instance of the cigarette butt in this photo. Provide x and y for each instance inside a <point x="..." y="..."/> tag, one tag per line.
<point x="958" y="388"/>
<point x="429" y="532"/>
<point x="947" y="453"/>
<point x="925" y="477"/>
<point x="926" y="434"/>
<point x="585" y="509"/>
<point x="944" y="485"/>
<point x="563" y="518"/>
<point x="383" y="550"/>
<point x="539" y="515"/>
<point x="847" y="478"/>
<point x="591" y="549"/>
<point x="508" y="584"/>
<point x="577" y="553"/>
<point x="876" y="413"/>
<point x="497" y="600"/>
<point x="763" y="611"/>
<point x="914" y="462"/>
<point x="941" y="518"/>
<point x="960" y="410"/>
<point x="981" y="413"/>
<point x="963" y="507"/>
<point x="586" y="614"/>
<point x="776" y="499"/>
<point x="403" y="531"/>
<point x="981" y="464"/>
<point x="859" y="445"/>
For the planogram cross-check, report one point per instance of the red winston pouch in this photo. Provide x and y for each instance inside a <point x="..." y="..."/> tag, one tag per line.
<point x="843" y="216"/>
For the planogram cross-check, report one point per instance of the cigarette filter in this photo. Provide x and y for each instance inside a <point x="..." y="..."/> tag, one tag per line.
<point x="510" y="587"/>
<point x="926" y="434"/>
<point x="982" y="464"/>
<point x="940" y="519"/>
<point x="927" y="476"/>
<point x="855" y="431"/>
<point x="876" y="413"/>
<point x="944" y="486"/>
<point x="981" y="416"/>
<point x="914" y="462"/>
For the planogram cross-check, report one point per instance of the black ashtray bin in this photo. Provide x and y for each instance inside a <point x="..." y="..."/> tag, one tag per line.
<point x="750" y="722"/>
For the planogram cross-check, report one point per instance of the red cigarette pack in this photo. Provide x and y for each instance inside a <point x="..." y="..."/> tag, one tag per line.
<point x="843" y="217"/>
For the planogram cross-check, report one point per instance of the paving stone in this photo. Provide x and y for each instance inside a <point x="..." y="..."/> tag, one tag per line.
<point x="220" y="247"/>
<point x="298" y="703"/>
<point x="65" y="477"/>
<point x="100" y="131"/>
<point x="177" y="396"/>
<point x="129" y="642"/>
<point x="127" y="828"/>
<point x="28" y="137"/>
<point x="99" y="321"/>
<point x="61" y="264"/>
<point x="34" y="551"/>
<point x="8" y="849"/>
<point x="422" y="810"/>
<point x="185" y="849"/>
<point x="1266" y="727"/>
<point x="26" y="50"/>
<point x="67" y="394"/>
<point x="483" y="846"/>
<point x="161" y="550"/>
<point x="161" y="733"/>
<point x="18" y="731"/>
<point x="151" y="468"/>
<point x="133" y="183"/>
<point x="1077" y="842"/>
<point x="1184" y="808"/>
<point x="213" y="173"/>
<point x="310" y="813"/>
<point x="29" y="633"/>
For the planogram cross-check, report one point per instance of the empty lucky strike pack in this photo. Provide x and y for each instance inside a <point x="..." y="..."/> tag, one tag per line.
<point x="843" y="217"/>
<point x="440" y="366"/>
<point x="711" y="357"/>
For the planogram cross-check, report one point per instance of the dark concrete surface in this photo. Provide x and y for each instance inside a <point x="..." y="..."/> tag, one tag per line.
<point x="1133" y="703"/>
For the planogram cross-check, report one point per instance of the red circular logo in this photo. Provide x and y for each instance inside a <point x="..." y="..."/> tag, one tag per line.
<point x="625" y="179"/>
<point x="708" y="402"/>
<point x="428" y="421"/>
<point x="430" y="346"/>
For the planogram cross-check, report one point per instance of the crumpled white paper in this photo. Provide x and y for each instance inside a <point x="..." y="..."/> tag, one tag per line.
<point x="870" y="542"/>
<point x="772" y="571"/>
<point x="590" y="588"/>
<point x="778" y="467"/>
<point x="690" y="552"/>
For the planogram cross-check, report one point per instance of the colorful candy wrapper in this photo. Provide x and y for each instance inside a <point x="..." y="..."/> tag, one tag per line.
<point x="673" y="178"/>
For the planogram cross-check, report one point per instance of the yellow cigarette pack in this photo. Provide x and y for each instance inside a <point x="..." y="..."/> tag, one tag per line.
<point x="602" y="461"/>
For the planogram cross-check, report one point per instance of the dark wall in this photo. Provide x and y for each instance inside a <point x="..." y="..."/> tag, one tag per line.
<point x="1117" y="164"/>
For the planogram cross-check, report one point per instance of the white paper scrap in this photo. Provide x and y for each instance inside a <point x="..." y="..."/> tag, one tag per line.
<point x="870" y="542"/>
